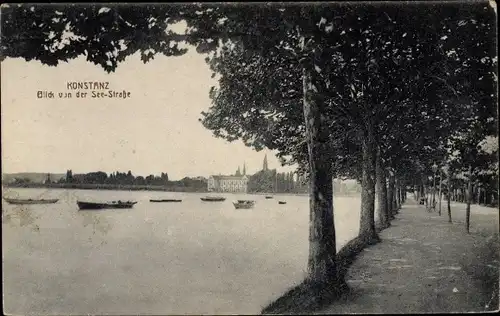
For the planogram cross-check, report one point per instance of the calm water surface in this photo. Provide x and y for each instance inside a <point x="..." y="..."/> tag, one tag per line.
<point x="192" y="257"/>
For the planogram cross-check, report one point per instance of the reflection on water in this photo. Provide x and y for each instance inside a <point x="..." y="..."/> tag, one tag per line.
<point x="192" y="257"/>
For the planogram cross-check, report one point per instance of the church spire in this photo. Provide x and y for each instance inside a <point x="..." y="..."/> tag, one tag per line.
<point x="265" y="167"/>
<point x="244" y="168"/>
<point x="238" y="172"/>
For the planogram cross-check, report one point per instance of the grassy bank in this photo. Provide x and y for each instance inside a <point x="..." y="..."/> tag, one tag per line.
<point x="309" y="297"/>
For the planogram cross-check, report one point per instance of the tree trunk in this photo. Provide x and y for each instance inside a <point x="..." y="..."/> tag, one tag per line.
<point x="433" y="199"/>
<point x="383" y="212"/>
<point x="448" y="198"/>
<point x="398" y="195"/>
<point x="390" y="194"/>
<point x="424" y="192"/>
<point x="367" y="230"/>
<point x="395" y="205"/>
<point x="395" y="196"/>
<point x="322" y="243"/>
<point x="322" y="266"/>
<point x="426" y="197"/>
<point x="403" y="194"/>
<point x="418" y="191"/>
<point x="469" y="200"/>
<point x="439" y="195"/>
<point x="478" y="201"/>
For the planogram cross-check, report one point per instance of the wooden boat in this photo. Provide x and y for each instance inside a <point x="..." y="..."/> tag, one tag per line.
<point x="244" y="204"/>
<point x="164" y="200"/>
<point x="213" y="198"/>
<point x="269" y="197"/>
<point x="99" y="206"/>
<point x="30" y="201"/>
<point x="281" y="202"/>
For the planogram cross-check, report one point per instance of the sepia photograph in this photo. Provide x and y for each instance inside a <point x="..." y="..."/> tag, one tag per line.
<point x="232" y="158"/>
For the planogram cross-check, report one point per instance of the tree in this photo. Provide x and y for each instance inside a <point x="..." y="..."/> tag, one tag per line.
<point x="150" y="179"/>
<point x="447" y="172"/>
<point x="98" y="177"/>
<point x="164" y="177"/>
<point x="69" y="176"/>
<point x="262" y="181"/>
<point x="140" y="180"/>
<point x="291" y="182"/>
<point x="471" y="152"/>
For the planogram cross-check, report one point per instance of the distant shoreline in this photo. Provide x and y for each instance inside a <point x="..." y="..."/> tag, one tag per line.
<point x="158" y="188"/>
<point x="90" y="186"/>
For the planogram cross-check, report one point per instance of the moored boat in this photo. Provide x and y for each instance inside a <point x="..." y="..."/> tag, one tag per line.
<point x="213" y="198"/>
<point x="30" y="201"/>
<point x="281" y="202"/>
<point x="244" y="204"/>
<point x="269" y="197"/>
<point x="164" y="200"/>
<point x="99" y="206"/>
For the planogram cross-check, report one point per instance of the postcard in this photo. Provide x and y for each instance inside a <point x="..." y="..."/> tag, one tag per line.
<point x="249" y="158"/>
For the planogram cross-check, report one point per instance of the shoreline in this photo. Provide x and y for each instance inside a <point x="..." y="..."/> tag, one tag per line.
<point x="89" y="186"/>
<point x="177" y="189"/>
<point x="102" y="187"/>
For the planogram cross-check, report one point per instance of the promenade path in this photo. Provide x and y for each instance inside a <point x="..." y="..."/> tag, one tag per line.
<point x="425" y="265"/>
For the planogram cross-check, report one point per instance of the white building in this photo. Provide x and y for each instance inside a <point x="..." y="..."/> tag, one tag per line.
<point x="235" y="183"/>
<point x="228" y="183"/>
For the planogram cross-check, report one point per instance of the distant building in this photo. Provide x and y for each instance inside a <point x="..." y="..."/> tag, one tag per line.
<point x="233" y="183"/>
<point x="228" y="184"/>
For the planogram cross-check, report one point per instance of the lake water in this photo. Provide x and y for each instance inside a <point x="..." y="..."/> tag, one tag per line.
<point x="192" y="257"/>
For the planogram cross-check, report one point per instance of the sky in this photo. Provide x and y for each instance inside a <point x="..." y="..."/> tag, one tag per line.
<point x="155" y="130"/>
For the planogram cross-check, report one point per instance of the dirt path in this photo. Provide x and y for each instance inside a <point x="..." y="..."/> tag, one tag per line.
<point x="425" y="264"/>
